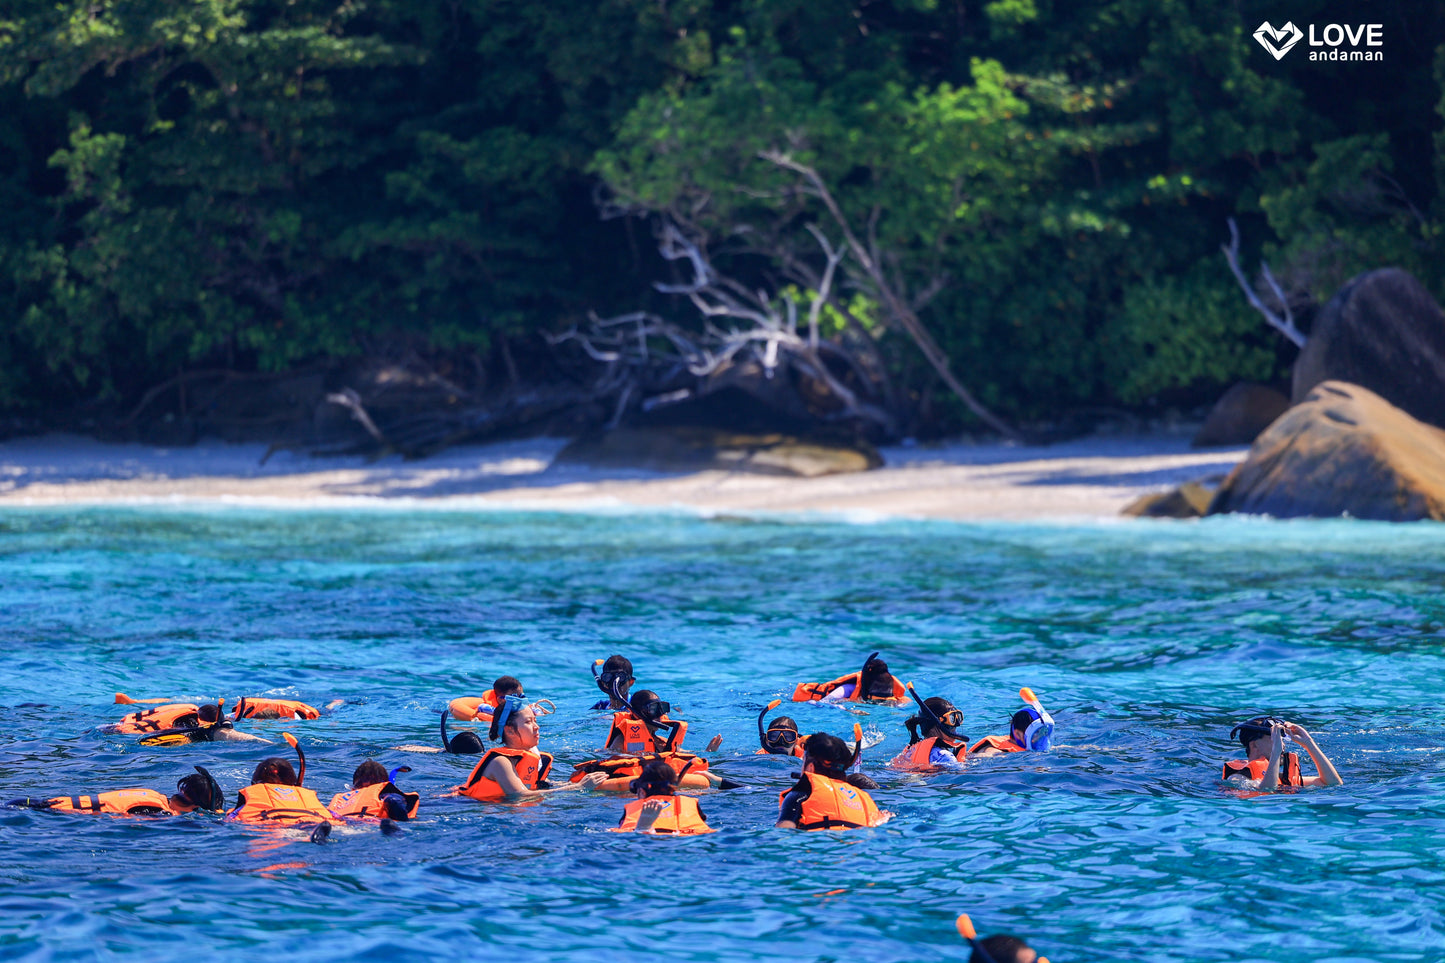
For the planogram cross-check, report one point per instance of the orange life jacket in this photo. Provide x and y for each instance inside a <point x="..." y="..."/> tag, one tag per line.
<point x="630" y="767"/>
<point x="277" y="805"/>
<point x="680" y="818"/>
<point x="531" y="767"/>
<point x="815" y="691"/>
<point x="365" y="803"/>
<point x="636" y="738"/>
<point x="1001" y="743"/>
<point x="920" y="755"/>
<point x="797" y="749"/>
<point x="833" y="804"/>
<point x="121" y="802"/>
<point x="177" y="715"/>
<point x="468" y="708"/>
<point x="1289" y="772"/>
<point x="275" y="709"/>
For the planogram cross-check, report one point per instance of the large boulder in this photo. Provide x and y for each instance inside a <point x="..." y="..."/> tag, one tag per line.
<point x="1343" y="450"/>
<point x="702" y="449"/>
<point x="1382" y="331"/>
<point x="1240" y="415"/>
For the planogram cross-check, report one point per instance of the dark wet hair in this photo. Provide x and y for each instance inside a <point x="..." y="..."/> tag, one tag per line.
<point x="200" y="790"/>
<point x="828" y="753"/>
<point x="464" y="743"/>
<point x="1001" y="949"/>
<point x="937" y="705"/>
<point x="209" y="713"/>
<point x="616" y="673"/>
<point x="1022" y="720"/>
<point x="274" y="771"/>
<point x="875" y="681"/>
<point x="1257" y="728"/>
<point x="641" y="698"/>
<point x="657" y="779"/>
<point x="507" y="685"/>
<point x="369" y="773"/>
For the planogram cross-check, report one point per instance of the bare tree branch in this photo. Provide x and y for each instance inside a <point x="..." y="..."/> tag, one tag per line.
<point x="1284" y="325"/>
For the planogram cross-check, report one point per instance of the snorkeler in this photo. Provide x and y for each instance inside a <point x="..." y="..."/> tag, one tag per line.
<point x="824" y="797"/>
<point x="175" y="715"/>
<point x="634" y="732"/>
<point x="196" y="791"/>
<point x="658" y="808"/>
<point x="1031" y="728"/>
<point x="465" y="742"/>
<point x="940" y="746"/>
<point x="471" y="708"/>
<point x="373" y="795"/>
<point x="1268" y="765"/>
<point x="615" y="680"/>
<point x="277" y="798"/>
<point x="872" y="683"/>
<point x="516" y="767"/>
<point x="996" y="949"/>
<point x="780" y="737"/>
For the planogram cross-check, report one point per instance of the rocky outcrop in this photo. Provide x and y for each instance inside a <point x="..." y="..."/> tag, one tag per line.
<point x="702" y="449"/>
<point x="1342" y="451"/>
<point x="1189" y="500"/>
<point x="1382" y="331"/>
<point x="1240" y="415"/>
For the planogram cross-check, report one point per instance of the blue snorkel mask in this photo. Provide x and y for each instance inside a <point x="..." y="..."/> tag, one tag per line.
<point x="509" y="705"/>
<point x="1041" y="730"/>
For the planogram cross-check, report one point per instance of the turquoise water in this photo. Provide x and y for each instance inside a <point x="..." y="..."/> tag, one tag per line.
<point x="1146" y="641"/>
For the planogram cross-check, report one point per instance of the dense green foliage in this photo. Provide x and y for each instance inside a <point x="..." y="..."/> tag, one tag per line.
<point x="257" y="185"/>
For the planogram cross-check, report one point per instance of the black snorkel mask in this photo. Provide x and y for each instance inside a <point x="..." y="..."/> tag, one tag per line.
<point x="1259" y="727"/>
<point x="948" y="723"/>
<point x="215" y="800"/>
<point x="776" y="742"/>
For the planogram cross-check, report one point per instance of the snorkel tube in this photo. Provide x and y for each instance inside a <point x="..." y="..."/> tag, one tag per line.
<point x="857" y="745"/>
<point x="217" y="801"/>
<point x="762" y="732"/>
<point x="300" y="757"/>
<point x="966" y="930"/>
<point x="1041" y="730"/>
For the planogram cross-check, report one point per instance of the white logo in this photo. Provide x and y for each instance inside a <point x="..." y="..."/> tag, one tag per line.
<point x="1278" y="42"/>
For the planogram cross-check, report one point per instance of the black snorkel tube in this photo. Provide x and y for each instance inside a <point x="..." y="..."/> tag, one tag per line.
<point x="763" y="732"/>
<point x="951" y="731"/>
<point x="446" y="743"/>
<point x="217" y="802"/>
<point x="300" y="757"/>
<point x="966" y="930"/>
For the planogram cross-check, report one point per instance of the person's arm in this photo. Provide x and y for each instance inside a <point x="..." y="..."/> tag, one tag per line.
<point x="841" y="693"/>
<point x="790" y="813"/>
<point x="647" y="818"/>
<point x="1328" y="776"/>
<point x="1270" y="782"/>
<point x="944" y="759"/>
<point x="501" y="771"/>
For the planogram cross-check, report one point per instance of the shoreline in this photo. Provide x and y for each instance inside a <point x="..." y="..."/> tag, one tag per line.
<point x="1087" y="478"/>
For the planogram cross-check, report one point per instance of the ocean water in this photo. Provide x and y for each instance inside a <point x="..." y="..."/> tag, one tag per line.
<point x="1146" y="641"/>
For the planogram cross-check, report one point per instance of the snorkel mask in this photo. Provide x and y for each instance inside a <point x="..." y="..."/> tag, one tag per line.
<point x="1041" y="730"/>
<point x="1257" y="728"/>
<point x="210" y="797"/>
<point x="508" y="705"/>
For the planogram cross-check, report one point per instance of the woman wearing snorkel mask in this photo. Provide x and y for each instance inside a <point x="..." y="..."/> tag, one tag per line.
<point x="516" y="767"/>
<point x="1031" y="728"/>
<point x="940" y="746"/>
<point x="1269" y="766"/>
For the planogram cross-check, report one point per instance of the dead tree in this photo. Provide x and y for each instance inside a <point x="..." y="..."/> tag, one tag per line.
<point x="1283" y="323"/>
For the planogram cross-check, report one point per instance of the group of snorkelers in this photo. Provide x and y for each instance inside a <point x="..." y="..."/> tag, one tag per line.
<point x="643" y="756"/>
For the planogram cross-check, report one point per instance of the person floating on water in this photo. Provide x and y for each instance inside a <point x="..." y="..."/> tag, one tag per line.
<point x="615" y="680"/>
<point x="996" y="949"/>
<point x="516" y="767"/>
<point x="1269" y="767"/>
<point x="825" y="797"/>
<point x="940" y="746"/>
<point x="374" y="795"/>
<point x="196" y="791"/>
<point x="1031" y="728"/>
<point x="635" y="732"/>
<point x="276" y="797"/>
<point x="255" y="707"/>
<point x="872" y="683"/>
<point x="658" y="808"/>
<point x="175" y="715"/>
<point x="470" y="708"/>
<point x="780" y="737"/>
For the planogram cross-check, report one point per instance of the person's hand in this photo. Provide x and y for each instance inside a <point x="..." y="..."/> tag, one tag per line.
<point x="1276" y="741"/>
<point x="1295" y="731"/>
<point x="714" y="742"/>
<point x="592" y="780"/>
<point x="651" y="810"/>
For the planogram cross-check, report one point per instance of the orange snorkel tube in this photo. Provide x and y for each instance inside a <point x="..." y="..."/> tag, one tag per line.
<point x="300" y="756"/>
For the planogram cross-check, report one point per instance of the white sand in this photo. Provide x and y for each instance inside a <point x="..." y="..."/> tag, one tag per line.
<point x="1087" y="478"/>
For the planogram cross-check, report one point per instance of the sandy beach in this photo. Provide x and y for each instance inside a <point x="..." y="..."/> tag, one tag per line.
<point x="1086" y="478"/>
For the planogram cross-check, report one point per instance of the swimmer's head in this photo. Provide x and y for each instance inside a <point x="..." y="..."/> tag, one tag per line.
<point x="466" y="742"/>
<point x="781" y="735"/>
<point x="938" y="717"/>
<point x="514" y="724"/>
<point x="274" y="772"/>
<point x="1032" y="728"/>
<point x="656" y="779"/>
<point x="1004" y="949"/>
<point x="201" y="791"/>
<point x="647" y="706"/>
<point x="369" y="773"/>
<point x="210" y="714"/>
<point x="505" y="686"/>
<point x="616" y="677"/>
<point x="829" y="755"/>
<point x="1257" y="728"/>
<point x="875" y="680"/>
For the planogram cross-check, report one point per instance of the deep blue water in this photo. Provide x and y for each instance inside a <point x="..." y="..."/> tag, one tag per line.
<point x="1146" y="641"/>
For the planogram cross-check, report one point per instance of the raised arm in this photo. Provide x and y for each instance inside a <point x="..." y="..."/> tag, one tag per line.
<point x="1328" y="776"/>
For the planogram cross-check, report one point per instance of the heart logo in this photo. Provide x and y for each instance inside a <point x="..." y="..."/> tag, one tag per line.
<point x="1278" y="42"/>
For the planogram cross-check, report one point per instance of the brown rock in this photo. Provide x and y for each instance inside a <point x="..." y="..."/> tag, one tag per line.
<point x="702" y="449"/>
<point x="1382" y="331"/>
<point x="1342" y="451"/>
<point x="1240" y="415"/>
<point x="1189" y="500"/>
